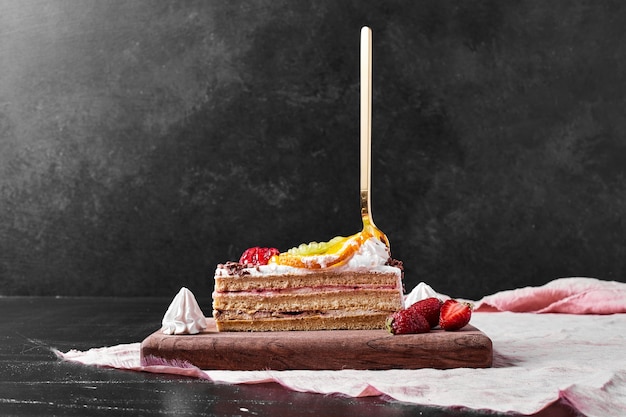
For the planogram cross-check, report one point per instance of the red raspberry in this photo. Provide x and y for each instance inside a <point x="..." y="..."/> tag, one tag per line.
<point x="407" y="321"/>
<point x="257" y="256"/>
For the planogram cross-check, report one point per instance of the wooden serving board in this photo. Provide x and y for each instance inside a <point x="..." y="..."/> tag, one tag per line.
<point x="317" y="350"/>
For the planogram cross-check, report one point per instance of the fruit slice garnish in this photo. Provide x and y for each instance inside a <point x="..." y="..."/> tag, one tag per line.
<point x="315" y="248"/>
<point x="257" y="256"/>
<point x="338" y="250"/>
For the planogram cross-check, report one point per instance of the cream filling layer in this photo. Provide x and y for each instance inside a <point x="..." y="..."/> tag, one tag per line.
<point x="261" y="315"/>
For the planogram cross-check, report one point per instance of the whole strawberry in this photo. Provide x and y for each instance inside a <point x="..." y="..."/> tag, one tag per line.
<point x="257" y="256"/>
<point x="429" y="308"/>
<point x="454" y="314"/>
<point x="407" y="321"/>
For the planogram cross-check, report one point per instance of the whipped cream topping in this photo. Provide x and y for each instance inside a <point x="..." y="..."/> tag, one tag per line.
<point x="183" y="315"/>
<point x="372" y="255"/>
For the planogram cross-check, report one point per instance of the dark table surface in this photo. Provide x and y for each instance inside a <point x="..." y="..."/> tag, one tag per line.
<point x="34" y="382"/>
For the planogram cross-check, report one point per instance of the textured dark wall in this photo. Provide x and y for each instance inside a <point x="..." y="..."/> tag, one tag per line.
<point x="143" y="142"/>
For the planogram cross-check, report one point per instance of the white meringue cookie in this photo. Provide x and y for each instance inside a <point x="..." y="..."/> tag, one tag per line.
<point x="421" y="292"/>
<point x="183" y="315"/>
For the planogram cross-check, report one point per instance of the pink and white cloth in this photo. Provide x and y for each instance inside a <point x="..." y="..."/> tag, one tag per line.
<point x="574" y="352"/>
<point x="565" y="295"/>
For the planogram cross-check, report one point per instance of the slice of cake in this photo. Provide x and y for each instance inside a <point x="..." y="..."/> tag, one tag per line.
<point x="345" y="283"/>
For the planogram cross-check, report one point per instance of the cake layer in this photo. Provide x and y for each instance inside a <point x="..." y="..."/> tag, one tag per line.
<point x="246" y="280"/>
<point x="262" y="315"/>
<point x="373" y="320"/>
<point x="327" y="299"/>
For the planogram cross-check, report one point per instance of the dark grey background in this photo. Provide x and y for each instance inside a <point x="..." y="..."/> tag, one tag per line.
<point x="143" y="142"/>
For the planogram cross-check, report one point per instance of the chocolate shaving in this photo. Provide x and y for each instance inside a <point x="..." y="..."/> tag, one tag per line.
<point x="396" y="263"/>
<point x="234" y="268"/>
